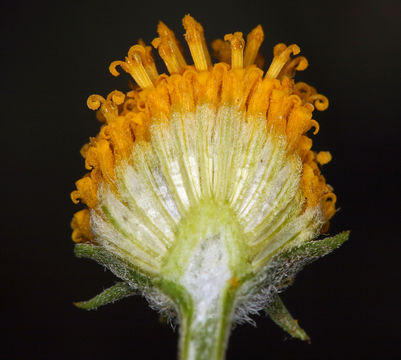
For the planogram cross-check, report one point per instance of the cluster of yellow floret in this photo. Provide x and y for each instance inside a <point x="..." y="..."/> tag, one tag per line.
<point x="237" y="80"/>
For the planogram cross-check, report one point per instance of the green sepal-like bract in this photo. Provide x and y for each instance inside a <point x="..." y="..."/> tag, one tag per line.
<point x="115" y="264"/>
<point x="281" y="316"/>
<point x="283" y="268"/>
<point x="114" y="293"/>
<point x="270" y="280"/>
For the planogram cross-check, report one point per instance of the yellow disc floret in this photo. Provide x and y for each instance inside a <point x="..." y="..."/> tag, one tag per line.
<point x="236" y="81"/>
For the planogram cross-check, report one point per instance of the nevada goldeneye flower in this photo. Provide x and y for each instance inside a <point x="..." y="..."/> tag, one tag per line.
<point x="202" y="191"/>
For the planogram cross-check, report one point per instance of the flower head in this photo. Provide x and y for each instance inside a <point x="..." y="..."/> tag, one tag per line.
<point x="203" y="178"/>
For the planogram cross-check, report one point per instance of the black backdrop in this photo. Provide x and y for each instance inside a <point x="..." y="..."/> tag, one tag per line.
<point x="55" y="54"/>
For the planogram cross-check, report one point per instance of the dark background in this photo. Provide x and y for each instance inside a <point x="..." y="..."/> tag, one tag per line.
<point x="55" y="54"/>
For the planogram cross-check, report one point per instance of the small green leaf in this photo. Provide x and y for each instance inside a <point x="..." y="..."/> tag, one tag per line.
<point x="280" y="315"/>
<point x="318" y="248"/>
<point x="116" y="265"/>
<point x="110" y="295"/>
<point x="286" y="264"/>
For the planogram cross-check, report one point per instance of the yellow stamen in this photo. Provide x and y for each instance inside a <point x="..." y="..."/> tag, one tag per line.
<point x="253" y="42"/>
<point x="298" y="123"/>
<point x="260" y="61"/>
<point x="100" y="156"/>
<point x="299" y="63"/>
<point x="196" y="42"/>
<point x="323" y="157"/>
<point x="329" y="202"/>
<point x="134" y="66"/>
<point x="80" y="226"/>
<point x="316" y="125"/>
<point x="282" y="54"/>
<point x="303" y="90"/>
<point x="221" y="50"/>
<point x="169" y="49"/>
<point x="95" y="101"/>
<point x="237" y="49"/>
<point x="148" y="61"/>
<point x="260" y="101"/>
<point x="311" y="185"/>
<point x="119" y="134"/>
<point x="304" y="146"/>
<point x="309" y="94"/>
<point x="86" y="191"/>
<point x="320" y="101"/>
<point x="108" y="107"/>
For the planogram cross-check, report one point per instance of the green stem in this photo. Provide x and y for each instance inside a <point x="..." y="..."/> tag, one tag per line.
<point x="204" y="326"/>
<point x="204" y="331"/>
